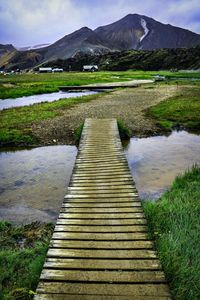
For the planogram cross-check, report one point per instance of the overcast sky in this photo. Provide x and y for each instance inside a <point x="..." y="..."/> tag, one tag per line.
<point x="31" y="22"/>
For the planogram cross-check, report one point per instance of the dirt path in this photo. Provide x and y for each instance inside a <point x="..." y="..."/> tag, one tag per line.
<point x="127" y="105"/>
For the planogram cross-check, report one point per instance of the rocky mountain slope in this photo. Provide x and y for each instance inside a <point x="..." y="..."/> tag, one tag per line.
<point x="131" y="32"/>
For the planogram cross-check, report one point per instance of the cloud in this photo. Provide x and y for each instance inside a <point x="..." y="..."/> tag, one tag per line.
<point x="30" y="22"/>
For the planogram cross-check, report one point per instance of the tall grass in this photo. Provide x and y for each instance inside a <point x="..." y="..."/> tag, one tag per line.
<point x="174" y="223"/>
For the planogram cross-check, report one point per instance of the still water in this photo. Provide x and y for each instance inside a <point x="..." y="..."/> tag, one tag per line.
<point x="28" y="100"/>
<point x="156" y="161"/>
<point x="34" y="182"/>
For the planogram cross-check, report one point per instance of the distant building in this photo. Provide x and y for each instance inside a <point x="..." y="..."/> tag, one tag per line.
<point x="57" y="70"/>
<point x="45" y="70"/>
<point x="159" y="78"/>
<point x="90" y="68"/>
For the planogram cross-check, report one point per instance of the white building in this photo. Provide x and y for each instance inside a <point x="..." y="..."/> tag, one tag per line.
<point x="57" y="70"/>
<point x="45" y="70"/>
<point x="90" y="68"/>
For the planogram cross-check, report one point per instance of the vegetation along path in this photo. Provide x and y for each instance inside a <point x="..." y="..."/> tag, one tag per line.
<point x="100" y="247"/>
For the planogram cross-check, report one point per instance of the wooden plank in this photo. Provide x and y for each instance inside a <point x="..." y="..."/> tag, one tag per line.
<point x="92" y="228"/>
<point x="103" y="264"/>
<point x="85" y="196"/>
<point x="104" y="204"/>
<point x="101" y="216"/>
<point x="100" y="236"/>
<point x="103" y="276"/>
<point x="102" y="222"/>
<point x="113" y="253"/>
<point x="104" y="289"/>
<point x="101" y="244"/>
<point x="95" y="297"/>
<point x="100" y="210"/>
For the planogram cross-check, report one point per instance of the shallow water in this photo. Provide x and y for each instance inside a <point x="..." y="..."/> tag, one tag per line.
<point x="156" y="161"/>
<point x="28" y="100"/>
<point x="34" y="182"/>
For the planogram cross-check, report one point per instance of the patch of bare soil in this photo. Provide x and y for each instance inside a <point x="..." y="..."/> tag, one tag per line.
<point x="128" y="105"/>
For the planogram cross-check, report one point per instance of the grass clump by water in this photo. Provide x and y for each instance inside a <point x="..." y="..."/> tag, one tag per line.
<point x="16" y="123"/>
<point x="124" y="131"/>
<point x="22" y="254"/>
<point x="181" y="111"/>
<point x="174" y="223"/>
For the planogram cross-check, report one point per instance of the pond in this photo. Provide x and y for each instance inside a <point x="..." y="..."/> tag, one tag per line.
<point x="156" y="161"/>
<point x="28" y="100"/>
<point x="34" y="181"/>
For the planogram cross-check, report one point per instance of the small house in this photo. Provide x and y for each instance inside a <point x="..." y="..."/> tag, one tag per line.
<point x="45" y="70"/>
<point x="90" y="68"/>
<point x="57" y="70"/>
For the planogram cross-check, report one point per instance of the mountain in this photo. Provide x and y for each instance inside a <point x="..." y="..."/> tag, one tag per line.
<point x="140" y="32"/>
<point x="5" y="49"/>
<point x="131" y="32"/>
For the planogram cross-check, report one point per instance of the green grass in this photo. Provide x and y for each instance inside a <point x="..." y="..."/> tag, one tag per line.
<point x="15" y="126"/>
<point x="180" y="111"/>
<point x="174" y="223"/>
<point x="29" y="84"/>
<point x="22" y="254"/>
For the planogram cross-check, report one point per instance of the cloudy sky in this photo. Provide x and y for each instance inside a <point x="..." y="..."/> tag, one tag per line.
<point x="31" y="22"/>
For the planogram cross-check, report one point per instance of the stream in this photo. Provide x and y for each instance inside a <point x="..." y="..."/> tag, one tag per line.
<point x="29" y="100"/>
<point x="34" y="180"/>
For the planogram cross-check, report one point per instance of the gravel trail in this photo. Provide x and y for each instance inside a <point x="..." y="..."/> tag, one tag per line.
<point x="127" y="105"/>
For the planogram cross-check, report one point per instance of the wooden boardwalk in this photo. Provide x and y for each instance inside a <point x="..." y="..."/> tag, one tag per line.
<point x="100" y="248"/>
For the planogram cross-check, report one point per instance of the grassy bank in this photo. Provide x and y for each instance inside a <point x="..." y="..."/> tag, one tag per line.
<point x="175" y="225"/>
<point x="15" y="127"/>
<point x="13" y="86"/>
<point x="22" y="254"/>
<point x="181" y="111"/>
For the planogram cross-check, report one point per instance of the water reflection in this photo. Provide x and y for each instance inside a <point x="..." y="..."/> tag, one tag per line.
<point x="33" y="182"/>
<point x="156" y="161"/>
<point x="28" y="100"/>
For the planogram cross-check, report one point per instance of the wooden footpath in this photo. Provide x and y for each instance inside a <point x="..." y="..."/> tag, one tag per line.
<point x="100" y="249"/>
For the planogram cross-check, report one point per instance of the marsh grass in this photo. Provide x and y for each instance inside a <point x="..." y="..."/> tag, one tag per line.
<point x="174" y="223"/>
<point x="22" y="254"/>
<point x="15" y="126"/>
<point x="180" y="111"/>
<point x="13" y="86"/>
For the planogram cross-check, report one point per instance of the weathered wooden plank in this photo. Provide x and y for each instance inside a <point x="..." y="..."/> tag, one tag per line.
<point x="100" y="236"/>
<point x="103" y="264"/>
<point x="102" y="216"/>
<point x="128" y="195"/>
<point x="100" y="210"/>
<point x="102" y="222"/>
<point x="118" y="205"/>
<point x="104" y="289"/>
<point x="102" y="200"/>
<point x="102" y="187"/>
<point x="113" y="253"/>
<point x="103" y="276"/>
<point x="96" y="297"/>
<point x="92" y="228"/>
<point x="143" y="244"/>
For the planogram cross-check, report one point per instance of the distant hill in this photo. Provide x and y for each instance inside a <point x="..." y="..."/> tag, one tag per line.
<point x="131" y="32"/>
<point x="5" y="49"/>
<point x="159" y="59"/>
